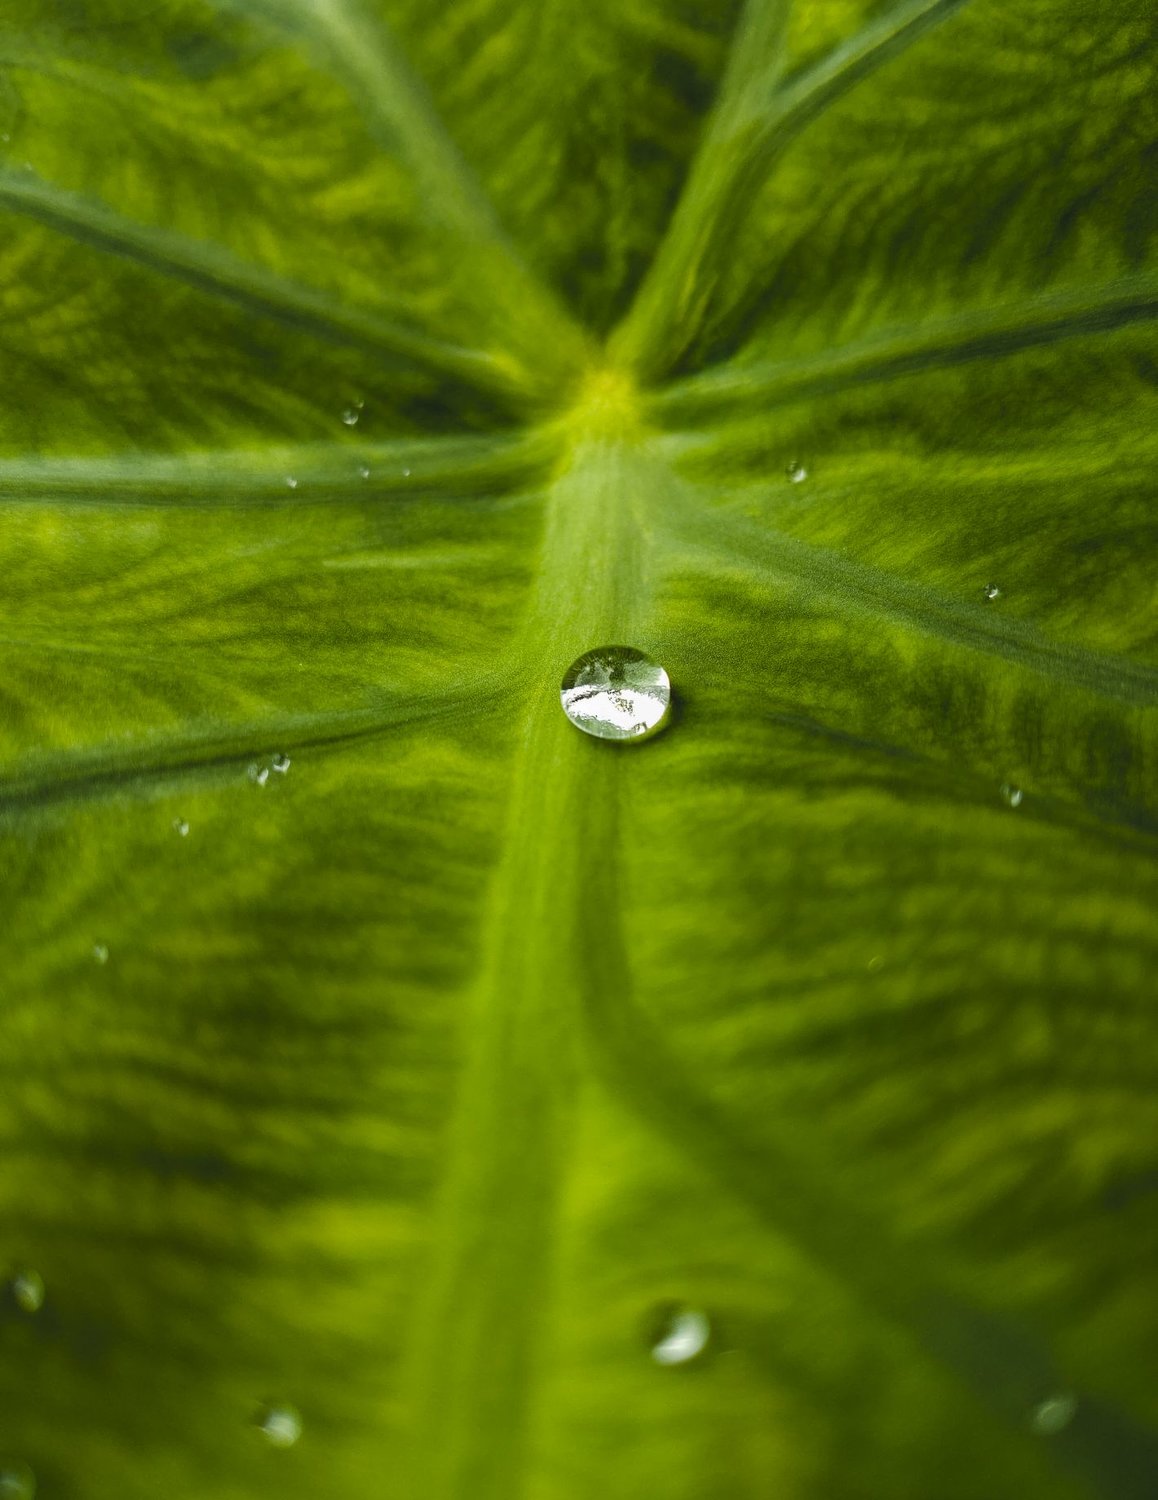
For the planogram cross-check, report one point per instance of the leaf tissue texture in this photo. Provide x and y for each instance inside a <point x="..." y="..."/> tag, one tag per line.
<point x="406" y="1094"/>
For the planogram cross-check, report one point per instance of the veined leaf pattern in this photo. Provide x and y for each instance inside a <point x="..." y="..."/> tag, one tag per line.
<point x="390" y="1068"/>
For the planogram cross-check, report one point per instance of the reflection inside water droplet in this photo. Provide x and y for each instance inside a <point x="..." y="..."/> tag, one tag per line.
<point x="100" y="953"/>
<point x="281" y="763"/>
<point x="616" y="693"/>
<point x="1011" y="794"/>
<point x="1052" y="1415"/>
<point x="281" y="1425"/>
<point x="17" y="1481"/>
<point x="683" y="1334"/>
<point x="992" y="591"/>
<point x="27" y="1289"/>
<point x="796" y="473"/>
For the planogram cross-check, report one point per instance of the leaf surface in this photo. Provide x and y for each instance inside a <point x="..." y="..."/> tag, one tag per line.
<point x="380" y="1048"/>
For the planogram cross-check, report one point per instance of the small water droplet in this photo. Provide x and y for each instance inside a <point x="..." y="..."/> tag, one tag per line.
<point x="616" y="693"/>
<point x="1051" y="1416"/>
<point x="259" y="775"/>
<point x="350" y="416"/>
<point x="281" y="763"/>
<point x="683" y="1333"/>
<point x="796" y="473"/>
<point x="364" y="471"/>
<point x="1011" y="794"/>
<point x="875" y="963"/>
<point x="291" y="482"/>
<point x="5" y="138"/>
<point x="181" y="828"/>
<point x="27" y="1289"/>
<point x="17" y="1482"/>
<point x="281" y="1425"/>
<point x="100" y="953"/>
<point x="992" y="591"/>
<point x="406" y="473"/>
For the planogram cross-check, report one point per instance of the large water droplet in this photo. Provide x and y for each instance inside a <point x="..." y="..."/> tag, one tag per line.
<point x="280" y="763"/>
<point x="17" y="1482"/>
<point x="281" y="1425"/>
<point x="1052" y="1415"/>
<point x="1011" y="794"/>
<point x="992" y="591"/>
<point x="100" y="952"/>
<point x="796" y="473"/>
<point x="683" y="1334"/>
<point x="616" y="693"/>
<point x="27" y="1288"/>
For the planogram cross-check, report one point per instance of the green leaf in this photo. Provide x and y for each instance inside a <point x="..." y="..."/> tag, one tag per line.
<point x="382" y="1053"/>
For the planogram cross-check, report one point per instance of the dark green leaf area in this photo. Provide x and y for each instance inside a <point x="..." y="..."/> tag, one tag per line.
<point x="1008" y="154"/>
<point x="248" y="1133"/>
<point x="943" y="469"/>
<point x="794" y="1350"/>
<point x="600" y="110"/>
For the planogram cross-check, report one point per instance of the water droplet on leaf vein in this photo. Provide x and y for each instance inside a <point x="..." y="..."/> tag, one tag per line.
<point x="616" y="693"/>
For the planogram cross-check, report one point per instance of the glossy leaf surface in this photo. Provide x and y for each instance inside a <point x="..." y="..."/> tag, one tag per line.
<point x="382" y="1053"/>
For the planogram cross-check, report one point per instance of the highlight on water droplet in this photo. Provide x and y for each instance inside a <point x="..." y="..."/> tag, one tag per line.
<point x="17" y="1481"/>
<point x="291" y="482"/>
<point x="616" y="693"/>
<point x="875" y="964"/>
<point x="100" y="952"/>
<point x="1053" y="1415"/>
<point x="795" y="472"/>
<point x="281" y="763"/>
<point x="992" y="591"/>
<point x="181" y="828"/>
<point x="280" y="1424"/>
<point x="1011" y="794"/>
<point x="259" y="775"/>
<point x="27" y="1288"/>
<point x="680" y="1334"/>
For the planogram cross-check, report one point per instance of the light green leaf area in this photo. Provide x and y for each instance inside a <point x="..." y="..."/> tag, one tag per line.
<point x="381" y="1053"/>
